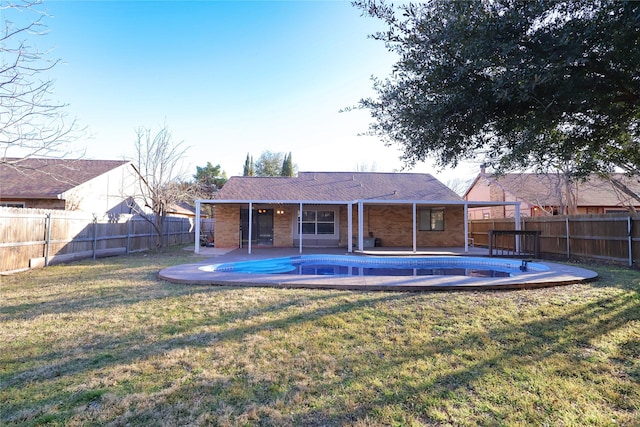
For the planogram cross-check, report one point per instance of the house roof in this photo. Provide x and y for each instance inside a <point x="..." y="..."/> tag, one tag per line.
<point x="32" y="178"/>
<point x="545" y="189"/>
<point x="181" y="208"/>
<point x="338" y="187"/>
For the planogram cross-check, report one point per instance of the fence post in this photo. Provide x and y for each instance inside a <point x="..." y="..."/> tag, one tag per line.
<point x="128" y="250"/>
<point x="47" y="241"/>
<point x="490" y="243"/>
<point x="567" y="228"/>
<point x="165" y="226"/>
<point x="629" y="239"/>
<point x="95" y="235"/>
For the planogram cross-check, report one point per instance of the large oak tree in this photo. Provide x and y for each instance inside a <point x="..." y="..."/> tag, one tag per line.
<point x="515" y="83"/>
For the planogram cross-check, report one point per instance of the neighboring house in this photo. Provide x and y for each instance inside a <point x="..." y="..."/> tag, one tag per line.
<point x="181" y="210"/>
<point x="547" y="194"/>
<point x="338" y="209"/>
<point x="184" y="210"/>
<point x="102" y="187"/>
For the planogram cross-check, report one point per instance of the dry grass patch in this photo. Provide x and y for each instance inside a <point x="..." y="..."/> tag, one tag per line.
<point x="105" y="342"/>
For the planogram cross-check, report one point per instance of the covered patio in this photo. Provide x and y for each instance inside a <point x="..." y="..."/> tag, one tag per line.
<point x="354" y="241"/>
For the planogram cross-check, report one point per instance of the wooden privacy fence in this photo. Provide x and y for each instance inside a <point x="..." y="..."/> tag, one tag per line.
<point x="34" y="237"/>
<point x="609" y="237"/>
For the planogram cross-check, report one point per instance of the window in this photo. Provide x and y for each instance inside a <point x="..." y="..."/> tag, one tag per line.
<point x="431" y="219"/>
<point x="318" y="222"/>
<point x="12" y="204"/>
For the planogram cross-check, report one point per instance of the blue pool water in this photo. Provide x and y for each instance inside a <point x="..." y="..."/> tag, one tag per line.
<point x="346" y="265"/>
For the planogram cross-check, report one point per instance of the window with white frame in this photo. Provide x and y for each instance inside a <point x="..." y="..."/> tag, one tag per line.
<point x="318" y="222"/>
<point x="431" y="219"/>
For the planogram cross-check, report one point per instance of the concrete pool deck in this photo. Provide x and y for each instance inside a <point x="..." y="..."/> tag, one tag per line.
<point x="558" y="274"/>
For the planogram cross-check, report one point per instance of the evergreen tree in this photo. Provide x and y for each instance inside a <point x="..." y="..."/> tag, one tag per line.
<point x="210" y="178"/>
<point x="248" y="169"/>
<point x="287" y="166"/>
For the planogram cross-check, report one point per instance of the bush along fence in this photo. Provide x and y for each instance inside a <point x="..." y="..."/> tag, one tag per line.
<point x="32" y="238"/>
<point x="609" y="237"/>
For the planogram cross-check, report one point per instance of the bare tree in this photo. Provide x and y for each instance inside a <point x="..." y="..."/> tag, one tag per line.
<point x="31" y="123"/>
<point x="459" y="185"/>
<point x="624" y="186"/>
<point x="366" y="167"/>
<point x="158" y="161"/>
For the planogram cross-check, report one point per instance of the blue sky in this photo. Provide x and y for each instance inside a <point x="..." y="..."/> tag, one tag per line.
<point x="228" y="78"/>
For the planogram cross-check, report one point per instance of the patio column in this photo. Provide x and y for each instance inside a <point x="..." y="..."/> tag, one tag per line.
<point x="350" y="227"/>
<point x="466" y="227"/>
<point x="360" y="226"/>
<point x="300" y="228"/>
<point x="250" y="226"/>
<point x="415" y="231"/>
<point x="197" y="239"/>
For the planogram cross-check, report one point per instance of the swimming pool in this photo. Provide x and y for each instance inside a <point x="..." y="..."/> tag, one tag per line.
<point x="207" y="272"/>
<point x="346" y="265"/>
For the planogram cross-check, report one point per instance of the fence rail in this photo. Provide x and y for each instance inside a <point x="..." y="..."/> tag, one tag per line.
<point x="35" y="237"/>
<point x="609" y="237"/>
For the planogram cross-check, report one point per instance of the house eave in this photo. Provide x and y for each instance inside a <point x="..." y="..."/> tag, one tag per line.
<point x="353" y="202"/>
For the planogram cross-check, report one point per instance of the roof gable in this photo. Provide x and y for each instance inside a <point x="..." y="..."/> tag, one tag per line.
<point x="47" y="178"/>
<point x="338" y="186"/>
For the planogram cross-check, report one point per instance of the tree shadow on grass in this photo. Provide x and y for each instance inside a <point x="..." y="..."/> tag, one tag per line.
<point x="61" y="365"/>
<point x="521" y="345"/>
<point x="104" y="285"/>
<point x="264" y="401"/>
<point x="537" y="341"/>
<point x="622" y="277"/>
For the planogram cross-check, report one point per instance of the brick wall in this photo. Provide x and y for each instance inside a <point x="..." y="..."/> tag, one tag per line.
<point x="227" y="228"/>
<point x="496" y="195"/>
<point x="283" y="225"/>
<point x="393" y="224"/>
<point x="344" y="224"/>
<point x="44" y="204"/>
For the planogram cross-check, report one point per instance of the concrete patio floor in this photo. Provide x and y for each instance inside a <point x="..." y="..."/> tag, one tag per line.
<point x="558" y="274"/>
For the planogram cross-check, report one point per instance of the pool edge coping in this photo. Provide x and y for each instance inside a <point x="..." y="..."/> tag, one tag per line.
<point x="558" y="275"/>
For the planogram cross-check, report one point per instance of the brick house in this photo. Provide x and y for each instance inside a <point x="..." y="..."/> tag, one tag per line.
<point x="548" y="194"/>
<point x="101" y="187"/>
<point x="338" y="209"/>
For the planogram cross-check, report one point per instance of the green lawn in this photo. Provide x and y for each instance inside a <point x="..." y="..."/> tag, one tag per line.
<point x="105" y="342"/>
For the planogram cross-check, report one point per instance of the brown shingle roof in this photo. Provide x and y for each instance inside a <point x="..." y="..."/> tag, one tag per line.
<point x="544" y="189"/>
<point x="46" y="178"/>
<point x="338" y="186"/>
